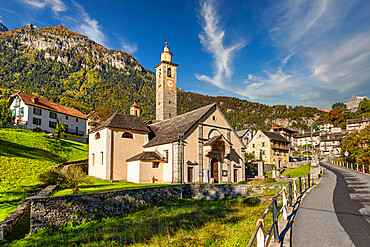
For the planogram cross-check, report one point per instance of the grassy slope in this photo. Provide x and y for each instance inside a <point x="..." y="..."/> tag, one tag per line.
<point x="23" y="156"/>
<point x="297" y="172"/>
<point x="185" y="223"/>
<point x="99" y="185"/>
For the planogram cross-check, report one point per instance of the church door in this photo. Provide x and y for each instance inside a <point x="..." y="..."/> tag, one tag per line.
<point x="214" y="170"/>
<point x="190" y="174"/>
<point x="235" y="175"/>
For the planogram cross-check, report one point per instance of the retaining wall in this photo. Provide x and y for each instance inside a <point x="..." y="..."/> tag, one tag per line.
<point x="58" y="210"/>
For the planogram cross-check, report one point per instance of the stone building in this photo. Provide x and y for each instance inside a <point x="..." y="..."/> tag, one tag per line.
<point x="271" y="147"/>
<point x="210" y="151"/>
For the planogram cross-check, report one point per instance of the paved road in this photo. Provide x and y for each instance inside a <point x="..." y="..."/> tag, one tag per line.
<point x="337" y="212"/>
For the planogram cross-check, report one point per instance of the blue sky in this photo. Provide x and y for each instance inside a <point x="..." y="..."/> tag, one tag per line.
<point x="297" y="52"/>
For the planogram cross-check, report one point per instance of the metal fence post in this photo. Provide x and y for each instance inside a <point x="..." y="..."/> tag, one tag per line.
<point x="300" y="185"/>
<point x="295" y="190"/>
<point x="275" y="219"/>
<point x="309" y="180"/>
<point x="290" y="195"/>
<point x="285" y="206"/>
<point x="261" y="233"/>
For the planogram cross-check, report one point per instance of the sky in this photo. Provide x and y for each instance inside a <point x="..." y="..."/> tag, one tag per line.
<point x="293" y="52"/>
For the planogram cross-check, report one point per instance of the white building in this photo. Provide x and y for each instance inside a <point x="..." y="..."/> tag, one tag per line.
<point x="357" y="124"/>
<point x="35" y="113"/>
<point x="326" y="127"/>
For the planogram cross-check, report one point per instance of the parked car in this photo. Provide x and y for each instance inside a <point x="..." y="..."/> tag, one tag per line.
<point x="293" y="159"/>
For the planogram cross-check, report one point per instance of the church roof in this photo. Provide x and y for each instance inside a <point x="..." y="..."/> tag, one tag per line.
<point x="167" y="131"/>
<point x="148" y="156"/>
<point x="123" y="121"/>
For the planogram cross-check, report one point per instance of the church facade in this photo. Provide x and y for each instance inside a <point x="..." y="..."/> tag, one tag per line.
<point x="201" y="145"/>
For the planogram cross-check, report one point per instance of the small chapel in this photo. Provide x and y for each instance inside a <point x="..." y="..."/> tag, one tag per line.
<point x="200" y="145"/>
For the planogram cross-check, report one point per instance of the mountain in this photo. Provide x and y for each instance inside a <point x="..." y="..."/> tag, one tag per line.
<point x="353" y="103"/>
<point x="69" y="68"/>
<point x="3" y="28"/>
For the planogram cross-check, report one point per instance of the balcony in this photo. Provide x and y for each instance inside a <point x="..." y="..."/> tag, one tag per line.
<point x="281" y="147"/>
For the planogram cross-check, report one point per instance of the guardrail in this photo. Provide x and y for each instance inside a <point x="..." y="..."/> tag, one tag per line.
<point x="352" y="166"/>
<point x="288" y="193"/>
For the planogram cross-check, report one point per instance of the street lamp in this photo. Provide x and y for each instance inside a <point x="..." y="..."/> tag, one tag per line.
<point x="181" y="138"/>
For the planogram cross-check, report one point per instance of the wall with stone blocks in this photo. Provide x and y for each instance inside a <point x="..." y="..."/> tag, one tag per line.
<point x="58" y="210"/>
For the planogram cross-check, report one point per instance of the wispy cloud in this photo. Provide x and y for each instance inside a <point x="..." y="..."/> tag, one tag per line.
<point x="88" y="26"/>
<point x="55" y="5"/>
<point x="128" y="47"/>
<point x="330" y="40"/>
<point x="212" y="39"/>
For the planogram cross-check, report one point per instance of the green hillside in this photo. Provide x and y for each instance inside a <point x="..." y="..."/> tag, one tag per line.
<point x="90" y="77"/>
<point x="23" y="156"/>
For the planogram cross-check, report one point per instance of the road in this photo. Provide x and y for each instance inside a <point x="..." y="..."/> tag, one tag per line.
<point x="337" y="212"/>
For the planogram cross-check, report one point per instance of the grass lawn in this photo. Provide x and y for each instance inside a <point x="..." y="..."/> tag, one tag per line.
<point x="297" y="172"/>
<point x="228" y="222"/>
<point x="98" y="185"/>
<point x="23" y="156"/>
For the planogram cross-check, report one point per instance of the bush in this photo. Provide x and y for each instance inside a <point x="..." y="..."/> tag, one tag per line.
<point x="66" y="177"/>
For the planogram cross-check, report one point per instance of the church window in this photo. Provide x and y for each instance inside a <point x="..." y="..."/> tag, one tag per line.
<point x="128" y="135"/>
<point x="166" y="155"/>
<point x="93" y="159"/>
<point x="262" y="144"/>
<point x="97" y="136"/>
<point x="254" y="145"/>
<point x="155" y="165"/>
<point x="169" y="115"/>
<point x="101" y="156"/>
<point x="214" y="118"/>
<point x="169" y="74"/>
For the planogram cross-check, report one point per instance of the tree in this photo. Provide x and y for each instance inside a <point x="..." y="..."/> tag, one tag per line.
<point x="5" y="115"/>
<point x="339" y="104"/>
<point x="60" y="128"/>
<point x="364" y="108"/>
<point x="358" y="146"/>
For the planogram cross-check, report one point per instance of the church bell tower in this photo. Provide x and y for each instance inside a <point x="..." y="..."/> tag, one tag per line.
<point x="166" y="86"/>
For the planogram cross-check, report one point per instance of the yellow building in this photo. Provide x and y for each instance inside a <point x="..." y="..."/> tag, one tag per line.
<point x="271" y="147"/>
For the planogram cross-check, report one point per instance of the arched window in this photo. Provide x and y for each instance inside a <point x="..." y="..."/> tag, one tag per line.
<point x="128" y="135"/>
<point x="97" y="136"/>
<point x="169" y="74"/>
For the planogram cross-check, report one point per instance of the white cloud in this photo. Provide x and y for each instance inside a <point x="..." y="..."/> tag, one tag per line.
<point x="212" y="39"/>
<point x="88" y="26"/>
<point x="330" y="40"/>
<point x="55" y="5"/>
<point x="130" y="48"/>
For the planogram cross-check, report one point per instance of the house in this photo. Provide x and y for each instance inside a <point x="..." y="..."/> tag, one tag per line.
<point x="271" y="147"/>
<point x="200" y="145"/>
<point x="325" y="127"/>
<point x="36" y="113"/>
<point x="245" y="135"/>
<point x="288" y="134"/>
<point x="357" y="124"/>
<point x="304" y="139"/>
<point x="330" y="144"/>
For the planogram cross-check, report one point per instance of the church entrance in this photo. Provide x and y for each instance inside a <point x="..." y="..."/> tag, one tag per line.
<point x="190" y="174"/>
<point x="214" y="170"/>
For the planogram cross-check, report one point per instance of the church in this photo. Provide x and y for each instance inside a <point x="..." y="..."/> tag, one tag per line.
<point x="200" y="146"/>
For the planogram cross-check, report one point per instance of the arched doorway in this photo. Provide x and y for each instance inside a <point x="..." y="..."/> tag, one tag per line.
<point x="214" y="170"/>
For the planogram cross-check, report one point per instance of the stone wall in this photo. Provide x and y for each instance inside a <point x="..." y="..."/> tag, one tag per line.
<point x="58" y="210"/>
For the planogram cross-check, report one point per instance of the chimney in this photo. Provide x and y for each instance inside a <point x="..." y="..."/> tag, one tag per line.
<point x="35" y="100"/>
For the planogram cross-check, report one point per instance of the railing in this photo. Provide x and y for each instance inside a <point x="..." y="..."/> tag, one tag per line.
<point x="353" y="166"/>
<point x="289" y="193"/>
<point x="282" y="147"/>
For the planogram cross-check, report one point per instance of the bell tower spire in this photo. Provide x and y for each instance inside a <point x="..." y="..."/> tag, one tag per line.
<point x="166" y="86"/>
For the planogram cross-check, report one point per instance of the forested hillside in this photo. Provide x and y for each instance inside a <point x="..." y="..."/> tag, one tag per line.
<point x="70" y="69"/>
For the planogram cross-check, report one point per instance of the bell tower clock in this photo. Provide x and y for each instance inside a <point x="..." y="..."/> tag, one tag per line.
<point x="166" y="86"/>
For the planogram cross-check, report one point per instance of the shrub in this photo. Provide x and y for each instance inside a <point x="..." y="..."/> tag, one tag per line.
<point x="66" y="177"/>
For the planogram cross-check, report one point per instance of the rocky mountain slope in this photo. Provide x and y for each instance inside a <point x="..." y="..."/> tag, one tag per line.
<point x="3" y="28"/>
<point x="68" y="68"/>
<point x="353" y="103"/>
